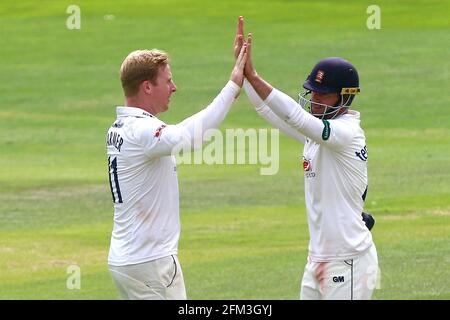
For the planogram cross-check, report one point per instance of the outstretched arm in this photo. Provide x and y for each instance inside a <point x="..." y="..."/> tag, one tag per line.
<point x="261" y="86"/>
<point x="290" y="112"/>
<point x="265" y="112"/>
<point x="189" y="134"/>
<point x="261" y="108"/>
<point x="213" y="115"/>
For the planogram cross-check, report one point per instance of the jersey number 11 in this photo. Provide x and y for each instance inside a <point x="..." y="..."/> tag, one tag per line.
<point x="114" y="181"/>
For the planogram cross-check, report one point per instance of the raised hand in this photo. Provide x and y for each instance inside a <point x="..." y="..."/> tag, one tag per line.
<point x="249" y="70"/>
<point x="239" y="39"/>
<point x="237" y="75"/>
<point x="261" y="86"/>
<point x="242" y="52"/>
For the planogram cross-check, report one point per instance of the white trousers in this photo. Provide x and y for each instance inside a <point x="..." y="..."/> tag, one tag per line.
<point x="160" y="279"/>
<point x="353" y="279"/>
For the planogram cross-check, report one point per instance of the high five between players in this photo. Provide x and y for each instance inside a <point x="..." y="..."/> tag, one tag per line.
<point x="342" y="259"/>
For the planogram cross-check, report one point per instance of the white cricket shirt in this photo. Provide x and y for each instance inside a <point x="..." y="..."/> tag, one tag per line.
<point x="335" y="168"/>
<point x="143" y="178"/>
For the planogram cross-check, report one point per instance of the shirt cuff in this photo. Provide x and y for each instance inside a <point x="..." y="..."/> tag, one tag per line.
<point x="232" y="87"/>
<point x="271" y="96"/>
<point x="254" y="98"/>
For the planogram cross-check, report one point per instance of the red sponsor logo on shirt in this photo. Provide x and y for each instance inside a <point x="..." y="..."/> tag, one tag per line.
<point x="158" y="131"/>
<point x="306" y="165"/>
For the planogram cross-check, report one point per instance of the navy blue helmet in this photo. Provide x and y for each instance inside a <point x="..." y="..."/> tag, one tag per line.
<point x="332" y="75"/>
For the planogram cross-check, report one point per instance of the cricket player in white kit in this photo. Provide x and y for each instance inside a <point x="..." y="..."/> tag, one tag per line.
<point x="143" y="178"/>
<point x="342" y="261"/>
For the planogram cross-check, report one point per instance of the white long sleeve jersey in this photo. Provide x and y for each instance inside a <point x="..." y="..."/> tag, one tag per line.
<point x="143" y="178"/>
<point x="335" y="168"/>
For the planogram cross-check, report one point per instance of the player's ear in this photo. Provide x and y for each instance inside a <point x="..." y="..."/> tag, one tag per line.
<point x="146" y="86"/>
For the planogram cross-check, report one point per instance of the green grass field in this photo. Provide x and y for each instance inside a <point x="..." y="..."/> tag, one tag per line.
<point x="244" y="236"/>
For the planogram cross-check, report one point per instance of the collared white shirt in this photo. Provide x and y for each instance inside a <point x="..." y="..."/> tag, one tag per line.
<point x="335" y="168"/>
<point x="335" y="181"/>
<point x="143" y="177"/>
<point x="144" y="189"/>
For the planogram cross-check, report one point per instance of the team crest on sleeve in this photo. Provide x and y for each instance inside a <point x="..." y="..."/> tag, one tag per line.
<point x="158" y="131"/>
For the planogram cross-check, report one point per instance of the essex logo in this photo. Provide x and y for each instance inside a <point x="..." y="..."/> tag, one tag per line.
<point x="158" y="131"/>
<point x="319" y="76"/>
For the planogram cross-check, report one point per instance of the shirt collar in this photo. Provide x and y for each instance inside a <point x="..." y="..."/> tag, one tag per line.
<point x="132" y="112"/>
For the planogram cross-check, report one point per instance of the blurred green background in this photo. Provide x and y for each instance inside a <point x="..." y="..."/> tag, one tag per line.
<point x="244" y="236"/>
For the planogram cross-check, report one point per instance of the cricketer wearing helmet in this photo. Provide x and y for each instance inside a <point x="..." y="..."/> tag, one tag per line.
<point x="342" y="258"/>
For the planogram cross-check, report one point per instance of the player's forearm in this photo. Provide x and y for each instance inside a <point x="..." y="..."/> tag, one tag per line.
<point x="265" y="112"/>
<point x="261" y="86"/>
<point x="213" y="115"/>
<point x="290" y="111"/>
<point x="334" y="134"/>
<point x="252" y="95"/>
